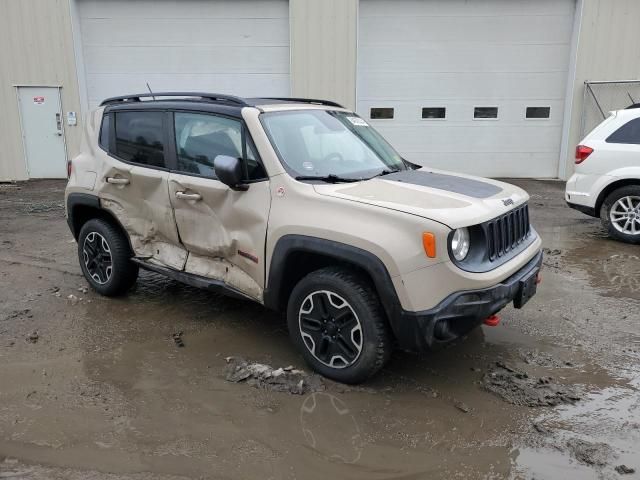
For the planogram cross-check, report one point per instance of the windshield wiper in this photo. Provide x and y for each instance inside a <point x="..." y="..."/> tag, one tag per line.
<point x="328" y="178"/>
<point x="384" y="172"/>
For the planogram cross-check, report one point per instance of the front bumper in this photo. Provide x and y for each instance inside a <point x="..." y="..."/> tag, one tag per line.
<point x="583" y="208"/>
<point x="461" y="311"/>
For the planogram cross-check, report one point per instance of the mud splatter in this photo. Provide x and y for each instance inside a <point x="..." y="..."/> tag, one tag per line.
<point x="593" y="454"/>
<point x="259" y="375"/>
<point x="518" y="388"/>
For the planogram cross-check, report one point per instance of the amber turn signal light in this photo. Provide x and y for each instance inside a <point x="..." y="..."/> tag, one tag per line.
<point x="429" y="244"/>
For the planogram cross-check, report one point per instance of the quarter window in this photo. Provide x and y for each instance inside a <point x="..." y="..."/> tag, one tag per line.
<point x="104" y="132"/>
<point x="139" y="138"/>
<point x="628" y="133"/>
<point x="200" y="138"/>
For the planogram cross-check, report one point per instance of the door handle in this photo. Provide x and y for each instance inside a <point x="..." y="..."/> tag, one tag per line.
<point x="118" y="181"/>
<point x="189" y="196"/>
<point x="58" y="125"/>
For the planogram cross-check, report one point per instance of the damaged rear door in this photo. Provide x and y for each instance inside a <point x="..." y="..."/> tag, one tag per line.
<point x="222" y="229"/>
<point x="134" y="183"/>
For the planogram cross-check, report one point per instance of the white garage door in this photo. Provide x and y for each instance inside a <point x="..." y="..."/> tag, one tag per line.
<point x="490" y="75"/>
<point x="237" y="47"/>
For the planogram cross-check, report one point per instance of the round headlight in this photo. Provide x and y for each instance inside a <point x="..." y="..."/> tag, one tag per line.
<point x="460" y="243"/>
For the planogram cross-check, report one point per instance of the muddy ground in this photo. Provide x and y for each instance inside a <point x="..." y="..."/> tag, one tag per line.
<point x="96" y="388"/>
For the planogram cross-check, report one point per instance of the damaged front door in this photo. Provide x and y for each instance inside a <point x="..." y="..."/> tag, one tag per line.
<point x="134" y="184"/>
<point x="223" y="230"/>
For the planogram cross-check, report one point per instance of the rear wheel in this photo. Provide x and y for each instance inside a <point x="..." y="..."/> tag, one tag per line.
<point x="620" y="214"/>
<point x="105" y="258"/>
<point x="336" y="321"/>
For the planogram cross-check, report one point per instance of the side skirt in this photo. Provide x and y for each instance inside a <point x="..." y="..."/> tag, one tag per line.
<point x="197" y="281"/>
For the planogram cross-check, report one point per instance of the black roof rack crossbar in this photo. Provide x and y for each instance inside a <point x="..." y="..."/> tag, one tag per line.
<point x="306" y="100"/>
<point x="215" y="97"/>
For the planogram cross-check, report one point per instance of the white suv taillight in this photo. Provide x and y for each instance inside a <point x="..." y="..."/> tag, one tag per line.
<point x="582" y="152"/>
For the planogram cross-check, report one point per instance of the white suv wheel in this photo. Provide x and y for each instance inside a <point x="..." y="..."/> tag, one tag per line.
<point x="625" y="215"/>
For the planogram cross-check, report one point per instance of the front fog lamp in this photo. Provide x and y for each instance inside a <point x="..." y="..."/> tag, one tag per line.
<point x="460" y="243"/>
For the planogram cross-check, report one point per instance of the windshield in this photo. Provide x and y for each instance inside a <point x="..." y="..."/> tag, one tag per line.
<point x="324" y="143"/>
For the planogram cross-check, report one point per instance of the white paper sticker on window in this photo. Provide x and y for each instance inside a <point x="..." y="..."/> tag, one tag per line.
<point x="357" y="121"/>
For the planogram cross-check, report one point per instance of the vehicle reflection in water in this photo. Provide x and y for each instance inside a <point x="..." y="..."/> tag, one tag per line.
<point x="330" y="428"/>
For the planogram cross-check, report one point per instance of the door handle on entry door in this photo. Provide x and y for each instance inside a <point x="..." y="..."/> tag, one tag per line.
<point x="189" y="196"/>
<point x="58" y="125"/>
<point x="118" y="181"/>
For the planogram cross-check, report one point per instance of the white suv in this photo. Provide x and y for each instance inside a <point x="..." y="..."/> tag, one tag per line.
<point x="606" y="182"/>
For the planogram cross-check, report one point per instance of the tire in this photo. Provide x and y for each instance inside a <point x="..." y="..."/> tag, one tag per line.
<point x="622" y="204"/>
<point x="100" y="241"/>
<point x="337" y="322"/>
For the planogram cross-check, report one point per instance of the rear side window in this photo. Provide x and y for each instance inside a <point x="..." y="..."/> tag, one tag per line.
<point x="140" y="138"/>
<point x="628" y="133"/>
<point x="200" y="138"/>
<point x="104" y="132"/>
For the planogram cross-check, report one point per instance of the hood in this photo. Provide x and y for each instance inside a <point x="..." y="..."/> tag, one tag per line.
<point x="454" y="200"/>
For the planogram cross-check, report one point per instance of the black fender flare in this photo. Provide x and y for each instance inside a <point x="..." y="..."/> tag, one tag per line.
<point x="76" y="199"/>
<point x="343" y="254"/>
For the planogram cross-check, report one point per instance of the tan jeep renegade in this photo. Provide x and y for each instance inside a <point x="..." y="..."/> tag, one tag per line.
<point x="302" y="206"/>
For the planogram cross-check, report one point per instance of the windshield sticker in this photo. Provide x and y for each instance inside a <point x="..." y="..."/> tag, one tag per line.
<point x="357" y="121"/>
<point x="307" y="166"/>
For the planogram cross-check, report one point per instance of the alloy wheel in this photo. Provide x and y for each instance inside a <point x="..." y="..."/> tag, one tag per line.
<point x="330" y="329"/>
<point x="97" y="257"/>
<point x="625" y="215"/>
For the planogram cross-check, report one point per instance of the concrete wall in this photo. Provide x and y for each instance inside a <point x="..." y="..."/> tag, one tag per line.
<point x="323" y="49"/>
<point x="36" y="48"/>
<point x="607" y="42"/>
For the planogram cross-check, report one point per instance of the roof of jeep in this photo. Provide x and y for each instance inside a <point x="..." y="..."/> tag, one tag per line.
<point x="188" y="100"/>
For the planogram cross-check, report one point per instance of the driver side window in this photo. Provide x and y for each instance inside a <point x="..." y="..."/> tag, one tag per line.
<point x="200" y="138"/>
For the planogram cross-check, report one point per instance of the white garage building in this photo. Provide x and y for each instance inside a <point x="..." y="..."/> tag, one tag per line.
<point x="489" y="87"/>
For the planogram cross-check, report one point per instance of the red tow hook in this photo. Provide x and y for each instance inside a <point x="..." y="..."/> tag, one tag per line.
<point x="492" y="321"/>
<point x="539" y="278"/>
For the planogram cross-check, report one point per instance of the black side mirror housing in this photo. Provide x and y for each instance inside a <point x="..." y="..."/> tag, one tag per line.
<point x="229" y="171"/>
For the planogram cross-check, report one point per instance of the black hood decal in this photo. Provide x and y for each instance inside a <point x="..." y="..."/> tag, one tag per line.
<point x="450" y="183"/>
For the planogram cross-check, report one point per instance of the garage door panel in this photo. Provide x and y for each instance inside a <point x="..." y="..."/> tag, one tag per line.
<point x="239" y="47"/>
<point x="464" y="57"/>
<point x="485" y="138"/>
<point x="195" y="31"/>
<point x="512" y="164"/>
<point x="486" y="29"/>
<point x="460" y="54"/>
<point x="413" y="8"/>
<point x="469" y="85"/>
<point x="172" y="60"/>
<point x="185" y="9"/>
<point x="101" y="86"/>
<point x="459" y="112"/>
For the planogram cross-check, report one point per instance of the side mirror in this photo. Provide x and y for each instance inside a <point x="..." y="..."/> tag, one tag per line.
<point x="229" y="171"/>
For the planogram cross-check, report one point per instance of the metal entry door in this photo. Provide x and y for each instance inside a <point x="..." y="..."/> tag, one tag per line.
<point x="42" y="131"/>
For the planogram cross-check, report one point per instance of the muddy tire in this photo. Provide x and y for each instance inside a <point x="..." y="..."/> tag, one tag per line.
<point x="336" y="320"/>
<point x="620" y="214"/>
<point x="105" y="258"/>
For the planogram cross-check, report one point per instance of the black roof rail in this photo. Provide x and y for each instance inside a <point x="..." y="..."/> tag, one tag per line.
<point x="214" y="97"/>
<point x="305" y="100"/>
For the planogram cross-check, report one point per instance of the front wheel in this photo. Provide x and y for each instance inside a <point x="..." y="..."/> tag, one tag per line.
<point x="620" y="214"/>
<point x="336" y="321"/>
<point x="105" y="258"/>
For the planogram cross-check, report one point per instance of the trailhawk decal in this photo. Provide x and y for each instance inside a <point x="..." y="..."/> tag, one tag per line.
<point x="449" y="183"/>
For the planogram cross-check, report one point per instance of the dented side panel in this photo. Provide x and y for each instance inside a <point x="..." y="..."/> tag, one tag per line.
<point x="143" y="208"/>
<point x="224" y="231"/>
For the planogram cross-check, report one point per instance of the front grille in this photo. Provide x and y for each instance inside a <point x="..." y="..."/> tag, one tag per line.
<point x="507" y="231"/>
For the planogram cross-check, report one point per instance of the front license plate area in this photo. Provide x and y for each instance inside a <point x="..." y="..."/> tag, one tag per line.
<point x="527" y="289"/>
